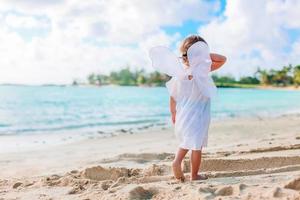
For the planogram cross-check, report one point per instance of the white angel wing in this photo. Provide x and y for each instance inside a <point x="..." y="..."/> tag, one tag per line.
<point x="199" y="58"/>
<point x="165" y="61"/>
<point x="200" y="65"/>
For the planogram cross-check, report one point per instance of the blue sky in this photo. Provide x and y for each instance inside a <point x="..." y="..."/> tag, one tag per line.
<point x="191" y="26"/>
<point x="57" y="41"/>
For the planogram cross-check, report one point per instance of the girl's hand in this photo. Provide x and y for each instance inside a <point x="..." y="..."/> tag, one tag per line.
<point x="173" y="117"/>
<point x="217" y="61"/>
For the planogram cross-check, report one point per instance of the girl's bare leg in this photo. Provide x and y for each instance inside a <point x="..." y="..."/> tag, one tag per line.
<point x="195" y="160"/>
<point x="176" y="165"/>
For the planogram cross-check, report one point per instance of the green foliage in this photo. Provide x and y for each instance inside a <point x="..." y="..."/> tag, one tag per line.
<point x="157" y="79"/>
<point x="92" y="79"/>
<point x="235" y="85"/>
<point x="282" y="77"/>
<point x="126" y="77"/>
<point x="264" y="77"/>
<point x="141" y="79"/>
<point x="223" y="79"/>
<point x="249" y="80"/>
<point x="288" y="75"/>
<point x="296" y="75"/>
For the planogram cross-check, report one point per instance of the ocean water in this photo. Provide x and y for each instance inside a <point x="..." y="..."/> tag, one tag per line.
<point x="53" y="109"/>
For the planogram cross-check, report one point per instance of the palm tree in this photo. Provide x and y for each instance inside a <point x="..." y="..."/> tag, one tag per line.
<point x="296" y="75"/>
<point x="283" y="77"/>
<point x="263" y="76"/>
<point x="92" y="79"/>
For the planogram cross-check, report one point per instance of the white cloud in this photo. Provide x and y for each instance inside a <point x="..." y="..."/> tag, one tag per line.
<point x="124" y="22"/>
<point x="101" y="36"/>
<point x="126" y="30"/>
<point x="86" y="36"/>
<point x="27" y="22"/>
<point x="253" y="34"/>
<point x="286" y="12"/>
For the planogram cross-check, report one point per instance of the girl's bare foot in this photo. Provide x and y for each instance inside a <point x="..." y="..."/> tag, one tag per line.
<point x="177" y="171"/>
<point x="198" y="177"/>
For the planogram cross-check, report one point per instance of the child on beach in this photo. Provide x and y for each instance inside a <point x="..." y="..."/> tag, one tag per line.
<point x="191" y="89"/>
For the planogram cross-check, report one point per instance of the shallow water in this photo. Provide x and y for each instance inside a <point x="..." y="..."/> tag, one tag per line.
<point x="53" y="109"/>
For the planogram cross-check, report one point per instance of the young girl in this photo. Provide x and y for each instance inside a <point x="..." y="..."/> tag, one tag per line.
<point x="191" y="89"/>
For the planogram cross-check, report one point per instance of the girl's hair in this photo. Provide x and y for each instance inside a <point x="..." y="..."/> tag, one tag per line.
<point x="186" y="44"/>
<point x="189" y="41"/>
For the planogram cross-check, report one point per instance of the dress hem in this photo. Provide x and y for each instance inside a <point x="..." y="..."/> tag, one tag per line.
<point x="190" y="148"/>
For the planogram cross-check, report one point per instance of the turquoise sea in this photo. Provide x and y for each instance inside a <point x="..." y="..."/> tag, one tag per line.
<point x="55" y="109"/>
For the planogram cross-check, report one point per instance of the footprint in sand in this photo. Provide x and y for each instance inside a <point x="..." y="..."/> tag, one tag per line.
<point x="278" y="193"/>
<point x="77" y="189"/>
<point x="106" y="184"/>
<point x="224" y="191"/>
<point x="242" y="186"/>
<point x="213" y="191"/>
<point x="141" y="193"/>
<point x="294" y="184"/>
<point x="16" y="185"/>
<point x="52" y="180"/>
<point x="207" y="190"/>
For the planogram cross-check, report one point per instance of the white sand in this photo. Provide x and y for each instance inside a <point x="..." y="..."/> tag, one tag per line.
<point x="246" y="159"/>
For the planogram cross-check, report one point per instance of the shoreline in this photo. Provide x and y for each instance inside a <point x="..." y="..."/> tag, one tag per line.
<point x="219" y="85"/>
<point x="289" y="88"/>
<point x="11" y="143"/>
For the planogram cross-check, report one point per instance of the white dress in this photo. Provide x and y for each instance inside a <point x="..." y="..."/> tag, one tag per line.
<point x="192" y="96"/>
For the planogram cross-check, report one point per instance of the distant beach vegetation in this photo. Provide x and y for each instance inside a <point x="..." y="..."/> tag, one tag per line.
<point x="286" y="76"/>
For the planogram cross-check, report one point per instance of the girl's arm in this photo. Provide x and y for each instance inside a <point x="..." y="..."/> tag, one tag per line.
<point x="217" y="61"/>
<point x="173" y="109"/>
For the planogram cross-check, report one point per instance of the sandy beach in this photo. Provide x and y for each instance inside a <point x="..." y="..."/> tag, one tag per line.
<point x="246" y="158"/>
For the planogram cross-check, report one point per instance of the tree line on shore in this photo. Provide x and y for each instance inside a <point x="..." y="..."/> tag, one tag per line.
<point x="286" y="76"/>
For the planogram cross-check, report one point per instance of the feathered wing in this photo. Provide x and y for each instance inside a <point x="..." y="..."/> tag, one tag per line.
<point x="165" y="61"/>
<point x="200" y="65"/>
<point x="199" y="58"/>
